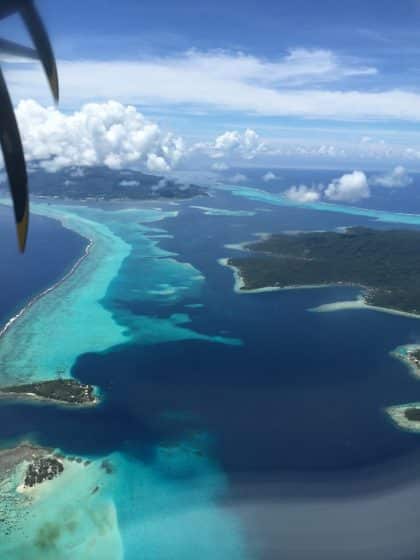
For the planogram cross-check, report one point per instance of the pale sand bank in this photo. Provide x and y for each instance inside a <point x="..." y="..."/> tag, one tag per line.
<point x="70" y="516"/>
<point x="359" y="303"/>
<point x="397" y="414"/>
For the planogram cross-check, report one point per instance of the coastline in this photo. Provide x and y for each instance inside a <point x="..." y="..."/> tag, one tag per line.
<point x="36" y="399"/>
<point x="397" y="415"/>
<point x="239" y="284"/>
<point x="33" y="398"/>
<point x="359" y="303"/>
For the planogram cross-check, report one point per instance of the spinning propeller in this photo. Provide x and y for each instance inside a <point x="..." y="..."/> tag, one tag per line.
<point x="10" y="141"/>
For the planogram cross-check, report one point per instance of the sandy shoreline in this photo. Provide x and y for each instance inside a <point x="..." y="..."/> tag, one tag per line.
<point x="359" y="303"/>
<point x="397" y="415"/>
<point x="239" y="285"/>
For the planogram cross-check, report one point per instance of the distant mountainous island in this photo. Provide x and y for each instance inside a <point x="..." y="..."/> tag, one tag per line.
<point x="386" y="264"/>
<point x="79" y="183"/>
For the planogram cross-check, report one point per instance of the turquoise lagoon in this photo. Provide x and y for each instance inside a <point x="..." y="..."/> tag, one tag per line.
<point x="167" y="507"/>
<point x="72" y="314"/>
<point x="260" y="195"/>
<point x="130" y="292"/>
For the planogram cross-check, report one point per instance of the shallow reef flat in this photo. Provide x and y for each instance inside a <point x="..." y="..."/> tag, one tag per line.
<point x="118" y="505"/>
<point x="69" y="314"/>
<point x="358" y="303"/>
<point x="73" y="314"/>
<point x="54" y="506"/>
<point x="406" y="416"/>
<point x="273" y="199"/>
<point x="115" y="506"/>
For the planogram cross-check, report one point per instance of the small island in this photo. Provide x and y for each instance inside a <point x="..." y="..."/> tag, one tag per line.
<point x="413" y="356"/>
<point x="64" y="391"/>
<point x="40" y="464"/>
<point x="384" y="263"/>
<point x="41" y="469"/>
<point x="410" y="356"/>
<point x="406" y="416"/>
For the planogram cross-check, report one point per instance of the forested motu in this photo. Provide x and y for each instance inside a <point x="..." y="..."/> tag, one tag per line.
<point x="385" y="263"/>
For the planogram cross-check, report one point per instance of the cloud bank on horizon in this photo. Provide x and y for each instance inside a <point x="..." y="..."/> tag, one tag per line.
<point x="118" y="136"/>
<point x="343" y="91"/>
<point x="350" y="187"/>
<point x="304" y="83"/>
<point x="109" y="134"/>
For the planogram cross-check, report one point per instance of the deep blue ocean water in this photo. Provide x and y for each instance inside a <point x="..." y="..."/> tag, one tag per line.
<point x="293" y="413"/>
<point x="50" y="253"/>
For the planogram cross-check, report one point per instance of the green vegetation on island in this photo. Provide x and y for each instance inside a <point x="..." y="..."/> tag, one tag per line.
<point x="386" y="264"/>
<point x="67" y="391"/>
<point x="412" y="414"/>
<point x="415" y="356"/>
<point x="43" y="468"/>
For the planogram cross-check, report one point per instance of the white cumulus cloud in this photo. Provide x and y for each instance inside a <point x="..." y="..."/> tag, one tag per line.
<point x="302" y="193"/>
<point x="245" y="145"/>
<point x="396" y="178"/>
<point x="350" y="187"/>
<point x="109" y="134"/>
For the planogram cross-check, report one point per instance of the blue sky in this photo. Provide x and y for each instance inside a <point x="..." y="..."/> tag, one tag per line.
<point x="321" y="83"/>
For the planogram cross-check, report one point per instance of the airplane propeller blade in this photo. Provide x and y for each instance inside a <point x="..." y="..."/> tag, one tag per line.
<point x="10" y="141"/>
<point x="14" y="49"/>
<point x="42" y="43"/>
<point x="14" y="162"/>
